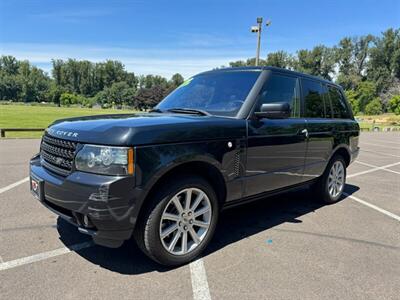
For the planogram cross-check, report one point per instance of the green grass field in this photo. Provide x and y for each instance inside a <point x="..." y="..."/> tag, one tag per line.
<point x="26" y="116"/>
<point x="381" y="121"/>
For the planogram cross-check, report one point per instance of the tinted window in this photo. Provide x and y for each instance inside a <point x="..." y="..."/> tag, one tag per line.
<point x="219" y="93"/>
<point x="313" y="99"/>
<point x="279" y="89"/>
<point x="339" y="107"/>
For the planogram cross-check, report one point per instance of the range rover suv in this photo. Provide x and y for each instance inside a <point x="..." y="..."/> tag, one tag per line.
<point x="222" y="138"/>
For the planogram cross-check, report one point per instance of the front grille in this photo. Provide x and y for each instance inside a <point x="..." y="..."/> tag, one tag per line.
<point x="57" y="155"/>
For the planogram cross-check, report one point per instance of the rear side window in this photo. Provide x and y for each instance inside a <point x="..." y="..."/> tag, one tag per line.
<point x="281" y="89"/>
<point x="314" y="106"/>
<point x="339" y="107"/>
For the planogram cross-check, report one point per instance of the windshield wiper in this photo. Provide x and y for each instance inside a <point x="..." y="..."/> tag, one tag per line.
<point x="189" y="111"/>
<point x="156" y="110"/>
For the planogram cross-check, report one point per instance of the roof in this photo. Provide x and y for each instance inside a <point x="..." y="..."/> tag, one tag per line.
<point x="262" y="68"/>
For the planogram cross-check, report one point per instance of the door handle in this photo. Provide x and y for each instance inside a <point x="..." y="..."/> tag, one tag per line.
<point x="305" y="133"/>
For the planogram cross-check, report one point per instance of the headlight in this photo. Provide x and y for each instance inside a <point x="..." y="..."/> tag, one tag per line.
<point x="105" y="160"/>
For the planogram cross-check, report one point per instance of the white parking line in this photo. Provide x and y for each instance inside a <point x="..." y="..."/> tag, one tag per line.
<point x="42" y="256"/>
<point x="374" y="169"/>
<point x="13" y="185"/>
<point x="373" y="166"/>
<point x="381" y="210"/>
<point x="199" y="280"/>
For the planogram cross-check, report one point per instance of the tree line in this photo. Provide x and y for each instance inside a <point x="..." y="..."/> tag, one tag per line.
<point x="367" y="67"/>
<point x="81" y="82"/>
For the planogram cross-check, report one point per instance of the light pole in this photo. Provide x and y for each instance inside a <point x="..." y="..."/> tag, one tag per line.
<point x="257" y="29"/>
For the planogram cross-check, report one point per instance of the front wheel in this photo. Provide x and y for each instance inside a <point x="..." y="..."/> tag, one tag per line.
<point x="179" y="221"/>
<point x="330" y="186"/>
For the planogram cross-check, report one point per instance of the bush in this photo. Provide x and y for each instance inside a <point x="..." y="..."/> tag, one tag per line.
<point x="88" y="102"/>
<point x="54" y="94"/>
<point x="68" y="99"/>
<point x="394" y="104"/>
<point x="351" y="96"/>
<point x="366" y="92"/>
<point x="374" y="107"/>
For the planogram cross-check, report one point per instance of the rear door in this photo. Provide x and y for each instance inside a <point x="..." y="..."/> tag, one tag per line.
<point x="317" y="113"/>
<point x="276" y="147"/>
<point x="346" y="129"/>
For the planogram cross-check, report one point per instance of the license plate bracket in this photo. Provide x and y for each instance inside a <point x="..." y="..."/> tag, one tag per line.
<point x="37" y="187"/>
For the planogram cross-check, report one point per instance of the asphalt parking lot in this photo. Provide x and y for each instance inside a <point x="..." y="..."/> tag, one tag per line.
<point x="286" y="247"/>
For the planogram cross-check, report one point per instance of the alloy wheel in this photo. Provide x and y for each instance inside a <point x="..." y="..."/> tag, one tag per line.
<point x="185" y="221"/>
<point x="336" y="179"/>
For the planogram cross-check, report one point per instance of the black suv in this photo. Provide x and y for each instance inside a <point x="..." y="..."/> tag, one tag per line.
<point x="222" y="138"/>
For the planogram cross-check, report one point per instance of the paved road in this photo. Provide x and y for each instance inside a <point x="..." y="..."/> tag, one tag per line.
<point x="286" y="247"/>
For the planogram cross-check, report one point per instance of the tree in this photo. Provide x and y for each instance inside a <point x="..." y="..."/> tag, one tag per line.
<point x="320" y="61"/>
<point x="176" y="80"/>
<point x="113" y="72"/>
<point x="392" y="91"/>
<point x="57" y="71"/>
<point x="34" y="83"/>
<point x="350" y="56"/>
<point x="9" y="65"/>
<point x="384" y="62"/>
<point x="67" y="99"/>
<point x="10" y="87"/>
<point x="394" y="104"/>
<point x="366" y="92"/>
<point x="374" y="107"/>
<point x="361" y="50"/>
<point x="344" y="56"/>
<point x="248" y="62"/>
<point x="351" y="96"/>
<point x="280" y="59"/>
<point x="117" y="95"/>
<point x="86" y="84"/>
<point x="149" y="97"/>
<point x="238" y="63"/>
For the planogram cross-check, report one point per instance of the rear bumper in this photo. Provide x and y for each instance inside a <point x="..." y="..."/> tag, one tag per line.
<point x="104" y="207"/>
<point x="354" y="155"/>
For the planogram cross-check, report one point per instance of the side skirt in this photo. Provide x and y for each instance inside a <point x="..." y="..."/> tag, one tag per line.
<point x="264" y="195"/>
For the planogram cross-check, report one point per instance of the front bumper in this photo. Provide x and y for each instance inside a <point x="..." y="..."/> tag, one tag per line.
<point x="104" y="207"/>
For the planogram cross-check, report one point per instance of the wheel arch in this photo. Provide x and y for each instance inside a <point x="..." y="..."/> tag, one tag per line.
<point x="202" y="168"/>
<point x="344" y="151"/>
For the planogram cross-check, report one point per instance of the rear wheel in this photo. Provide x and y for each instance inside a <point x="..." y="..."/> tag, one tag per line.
<point x="330" y="186"/>
<point x="179" y="221"/>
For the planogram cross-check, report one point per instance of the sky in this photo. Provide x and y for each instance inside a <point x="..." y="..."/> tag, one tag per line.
<point x="175" y="36"/>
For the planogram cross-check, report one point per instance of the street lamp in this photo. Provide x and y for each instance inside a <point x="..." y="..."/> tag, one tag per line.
<point x="257" y="29"/>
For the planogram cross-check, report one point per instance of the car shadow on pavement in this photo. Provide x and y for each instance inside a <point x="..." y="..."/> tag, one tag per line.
<point x="234" y="225"/>
<point x="247" y="220"/>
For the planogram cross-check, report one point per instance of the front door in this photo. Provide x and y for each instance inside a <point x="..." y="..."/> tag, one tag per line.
<point x="276" y="147"/>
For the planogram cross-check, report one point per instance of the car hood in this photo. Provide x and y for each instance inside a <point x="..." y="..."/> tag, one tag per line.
<point x="146" y="128"/>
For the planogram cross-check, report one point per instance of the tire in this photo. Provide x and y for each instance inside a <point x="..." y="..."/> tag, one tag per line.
<point x="323" y="187"/>
<point x="154" y="221"/>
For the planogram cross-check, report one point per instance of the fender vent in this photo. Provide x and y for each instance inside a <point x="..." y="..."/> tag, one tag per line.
<point x="236" y="163"/>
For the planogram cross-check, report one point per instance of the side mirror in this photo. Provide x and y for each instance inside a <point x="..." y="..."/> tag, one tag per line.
<point x="280" y="110"/>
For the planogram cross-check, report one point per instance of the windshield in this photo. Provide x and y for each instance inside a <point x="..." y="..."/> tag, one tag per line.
<point x="219" y="93"/>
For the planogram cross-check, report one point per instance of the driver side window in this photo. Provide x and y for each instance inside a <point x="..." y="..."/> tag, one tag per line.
<point x="281" y="89"/>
